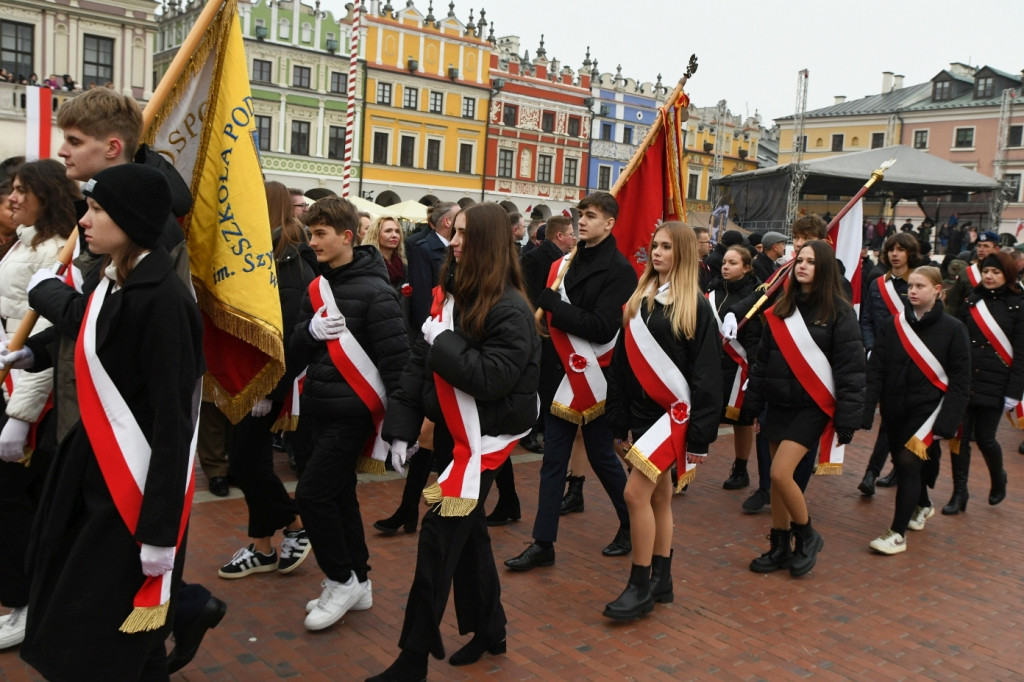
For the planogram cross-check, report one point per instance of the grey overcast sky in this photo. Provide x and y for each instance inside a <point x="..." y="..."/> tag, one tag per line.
<point x="750" y="52"/>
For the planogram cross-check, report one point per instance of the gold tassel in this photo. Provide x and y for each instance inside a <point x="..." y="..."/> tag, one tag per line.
<point x="642" y="464"/>
<point x="732" y="413"/>
<point x="954" y="446"/>
<point x="829" y="469"/>
<point x="457" y="506"/>
<point x="26" y="458"/>
<point x="369" y="465"/>
<point x="145" y="618"/>
<point x="917" y="446"/>
<point x="593" y="412"/>
<point x="685" y="479"/>
<point x="567" y="413"/>
<point x="288" y="422"/>
<point x="432" y="493"/>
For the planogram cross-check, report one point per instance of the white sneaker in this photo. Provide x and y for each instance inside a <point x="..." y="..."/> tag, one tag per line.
<point x="890" y="542"/>
<point x="365" y="602"/>
<point x="12" y="632"/>
<point x="921" y="514"/>
<point x="335" y="601"/>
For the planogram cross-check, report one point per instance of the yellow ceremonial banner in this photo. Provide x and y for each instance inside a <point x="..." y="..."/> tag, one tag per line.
<point x="206" y="128"/>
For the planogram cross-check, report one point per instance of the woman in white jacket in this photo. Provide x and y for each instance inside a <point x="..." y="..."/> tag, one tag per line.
<point x="43" y="203"/>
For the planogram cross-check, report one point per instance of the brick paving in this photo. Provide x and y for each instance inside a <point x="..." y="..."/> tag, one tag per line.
<point x="948" y="608"/>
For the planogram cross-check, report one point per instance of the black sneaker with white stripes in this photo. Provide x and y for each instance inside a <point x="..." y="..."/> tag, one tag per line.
<point x="294" y="550"/>
<point x="246" y="561"/>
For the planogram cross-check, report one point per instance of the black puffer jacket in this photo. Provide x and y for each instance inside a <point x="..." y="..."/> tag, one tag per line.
<point x="293" y="277"/>
<point x="907" y="396"/>
<point x="726" y="295"/>
<point x="629" y="408"/>
<point x="874" y="313"/>
<point x="772" y="379"/>
<point x="991" y="380"/>
<point x="372" y="314"/>
<point x="501" y="371"/>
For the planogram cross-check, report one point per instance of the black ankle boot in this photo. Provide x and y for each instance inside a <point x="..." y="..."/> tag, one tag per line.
<point x="738" y="476"/>
<point x="779" y="554"/>
<point x="635" y="600"/>
<point x="958" y="502"/>
<point x="476" y="647"/>
<point x="398" y="521"/>
<point x="661" y="578"/>
<point x="805" y="554"/>
<point x="504" y="512"/>
<point x="998" y="493"/>
<point x="867" y="484"/>
<point x="573" y="500"/>
<point x="408" y="667"/>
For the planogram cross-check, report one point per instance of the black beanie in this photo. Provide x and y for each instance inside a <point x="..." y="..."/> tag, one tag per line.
<point x="137" y="198"/>
<point x="732" y="238"/>
<point x="992" y="262"/>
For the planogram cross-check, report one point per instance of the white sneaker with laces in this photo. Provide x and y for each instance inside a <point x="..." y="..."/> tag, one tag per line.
<point x="12" y="632"/>
<point x="335" y="601"/>
<point x="890" y="542"/>
<point x="921" y="514"/>
<point x="294" y="549"/>
<point x="365" y="602"/>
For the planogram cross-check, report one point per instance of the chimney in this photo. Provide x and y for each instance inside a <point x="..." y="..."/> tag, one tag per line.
<point x="897" y="82"/>
<point x="886" y="81"/>
<point x="840" y="99"/>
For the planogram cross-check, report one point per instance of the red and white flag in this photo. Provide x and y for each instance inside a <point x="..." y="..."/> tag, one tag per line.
<point x="1020" y="226"/>
<point x="38" y="122"/>
<point x="848" y="238"/>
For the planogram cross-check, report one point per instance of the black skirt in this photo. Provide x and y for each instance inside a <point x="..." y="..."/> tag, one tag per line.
<point x="803" y="425"/>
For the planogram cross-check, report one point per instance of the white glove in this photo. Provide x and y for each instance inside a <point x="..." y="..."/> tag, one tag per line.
<point x="696" y="457"/>
<point x="432" y="329"/>
<point x="729" y="326"/>
<point x="39" y="276"/>
<point x="156" y="560"/>
<point x="12" y="439"/>
<point x="326" y="328"/>
<point x="23" y="358"/>
<point x="261" y="408"/>
<point x="399" y="453"/>
<point x="1008" y="406"/>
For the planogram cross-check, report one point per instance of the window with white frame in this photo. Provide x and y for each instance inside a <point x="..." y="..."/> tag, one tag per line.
<point x="963" y="138"/>
<point x="97" y="61"/>
<point x="383" y="93"/>
<point x="468" y="107"/>
<point x="336" y="142"/>
<point x="506" y="163"/>
<point x="569" y="171"/>
<point x="544" y="162"/>
<point x="436" y="102"/>
<point x="604" y="177"/>
<point x="410" y="97"/>
<point x="433" y="154"/>
<point x="263" y="128"/>
<point x="300" y="138"/>
<point x="339" y="82"/>
<point x="381" y="142"/>
<point x="466" y="158"/>
<point x="920" y="139"/>
<point x="261" y="70"/>
<point x="301" y="76"/>
<point x="407" y="151"/>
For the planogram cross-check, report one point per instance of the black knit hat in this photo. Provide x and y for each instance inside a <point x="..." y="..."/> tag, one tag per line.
<point x="137" y="198"/>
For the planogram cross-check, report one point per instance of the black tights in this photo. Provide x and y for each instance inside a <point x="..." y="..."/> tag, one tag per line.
<point x="911" y="491"/>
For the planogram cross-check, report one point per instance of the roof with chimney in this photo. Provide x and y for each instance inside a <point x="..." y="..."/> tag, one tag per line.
<point x="885" y="103"/>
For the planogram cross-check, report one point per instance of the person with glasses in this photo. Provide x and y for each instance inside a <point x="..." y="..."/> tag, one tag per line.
<point x="299" y="204"/>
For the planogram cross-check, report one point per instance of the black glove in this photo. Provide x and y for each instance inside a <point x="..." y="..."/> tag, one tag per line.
<point x="868" y="421"/>
<point x="747" y="415"/>
<point x="844" y="436"/>
<point x="548" y="299"/>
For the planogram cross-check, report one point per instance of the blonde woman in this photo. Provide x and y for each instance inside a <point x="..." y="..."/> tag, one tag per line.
<point x="385" y="235"/>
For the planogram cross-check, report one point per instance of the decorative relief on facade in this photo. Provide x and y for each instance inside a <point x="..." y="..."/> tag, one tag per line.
<point x="299" y="165"/>
<point x="552" y="192"/>
<point x="496" y="109"/>
<point x="603" y="149"/>
<point x="526" y="163"/>
<point x="561" y="123"/>
<point x="529" y="118"/>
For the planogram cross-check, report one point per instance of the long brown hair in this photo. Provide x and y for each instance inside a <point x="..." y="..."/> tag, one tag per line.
<point x="488" y="265"/>
<point x="48" y="181"/>
<point x="279" y="208"/>
<point x="684" y="289"/>
<point x="827" y="298"/>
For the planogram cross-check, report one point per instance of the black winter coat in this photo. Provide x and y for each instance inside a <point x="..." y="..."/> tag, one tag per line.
<point x="293" y="277"/>
<point x="502" y="371"/>
<point x="906" y="394"/>
<point x="764" y="267"/>
<point x="629" y="408"/>
<point x="772" y="379"/>
<point x="536" y="264"/>
<point x="727" y="294"/>
<point x="370" y="306"/>
<point x="874" y="312"/>
<point x="991" y="380"/>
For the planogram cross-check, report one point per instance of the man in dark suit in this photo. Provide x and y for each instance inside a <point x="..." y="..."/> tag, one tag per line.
<point x="425" y="256"/>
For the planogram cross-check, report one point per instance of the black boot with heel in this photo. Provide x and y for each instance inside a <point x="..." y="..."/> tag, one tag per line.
<point x="636" y="599"/>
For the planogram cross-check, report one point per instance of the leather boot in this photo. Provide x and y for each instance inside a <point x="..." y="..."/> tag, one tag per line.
<point x="958" y="502"/>
<point x="505" y="511"/>
<point x="661" y="578"/>
<point x="805" y="553"/>
<point x="573" y="500"/>
<point x="408" y="667"/>
<point x="867" y="484"/>
<point x="779" y="554"/>
<point x="407" y="516"/>
<point x="998" y="493"/>
<point x="635" y="600"/>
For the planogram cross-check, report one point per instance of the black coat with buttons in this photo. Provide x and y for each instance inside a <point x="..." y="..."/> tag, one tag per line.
<point x="991" y="379"/>
<point x="874" y="313"/>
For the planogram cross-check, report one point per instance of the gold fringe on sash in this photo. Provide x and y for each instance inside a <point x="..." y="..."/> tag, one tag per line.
<point x="685" y="479"/>
<point x="457" y="506"/>
<point x="954" y="446"/>
<point x="145" y="618"/>
<point x="369" y="465"/>
<point x="917" y="446"/>
<point x="26" y="459"/>
<point x="642" y="464"/>
<point x="575" y="416"/>
<point x="732" y="413"/>
<point x="289" y="422"/>
<point x="829" y="469"/>
<point x="593" y="412"/>
<point x="432" y="493"/>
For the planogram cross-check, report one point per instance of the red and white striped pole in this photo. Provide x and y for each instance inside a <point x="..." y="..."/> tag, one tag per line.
<point x="350" y="111"/>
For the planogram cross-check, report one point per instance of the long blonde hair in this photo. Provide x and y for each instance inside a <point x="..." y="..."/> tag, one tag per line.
<point x="684" y="289"/>
<point x="372" y="236"/>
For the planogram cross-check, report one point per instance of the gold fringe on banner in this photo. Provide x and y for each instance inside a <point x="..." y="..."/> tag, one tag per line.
<point x="457" y="506"/>
<point x="685" y="479"/>
<point x="917" y="446"/>
<point x="145" y="618"/>
<point x="369" y="465"/>
<point x="829" y="469"/>
<point x="642" y="464"/>
<point x="432" y="493"/>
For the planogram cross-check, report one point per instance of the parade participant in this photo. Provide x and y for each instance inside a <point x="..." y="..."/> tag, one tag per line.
<point x="584" y="316"/>
<point x="107" y="552"/>
<point x="994" y="315"/>
<point x="475" y="374"/>
<point x="42" y="204"/>
<point x="809" y="372"/>
<point x="987" y="243"/>
<point x="664" y="390"/>
<point x="920" y="371"/>
<point x="251" y="452"/>
<point x="887" y="295"/>
<point x="737" y="282"/>
<point x="351" y="335"/>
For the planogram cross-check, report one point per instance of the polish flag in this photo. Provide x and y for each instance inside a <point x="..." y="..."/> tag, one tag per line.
<point x="38" y="122"/>
<point x="1020" y="226"/>
<point x="848" y="239"/>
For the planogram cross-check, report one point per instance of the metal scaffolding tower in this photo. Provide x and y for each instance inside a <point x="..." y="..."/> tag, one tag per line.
<point x="998" y="198"/>
<point x="799" y="172"/>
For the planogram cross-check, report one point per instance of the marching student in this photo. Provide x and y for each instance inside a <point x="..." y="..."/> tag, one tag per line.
<point x="737" y="282"/>
<point x="351" y="336"/>
<point x="809" y="372"/>
<point x="664" y="390"/>
<point x="475" y="374"/>
<point x="106" y="556"/>
<point x="920" y="371"/>
<point x="994" y="315"/>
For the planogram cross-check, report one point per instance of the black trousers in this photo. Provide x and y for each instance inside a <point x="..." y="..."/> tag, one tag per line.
<point x="980" y="425"/>
<point x="911" y="490"/>
<point x="505" y="482"/>
<point x="453" y="552"/>
<point x="880" y="451"/>
<point x="326" y="495"/>
<point x="252" y="467"/>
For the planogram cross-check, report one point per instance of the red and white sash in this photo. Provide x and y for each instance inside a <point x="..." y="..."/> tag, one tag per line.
<point x="288" y="417"/>
<point x="737" y="354"/>
<point x="581" y="394"/>
<point x="935" y="373"/>
<point x="359" y="372"/>
<point x="123" y="453"/>
<point x="814" y="372"/>
<point x="1000" y="342"/>
<point x="458" y="486"/>
<point x="888" y="291"/>
<point x="660" y="378"/>
<point x="974" y="274"/>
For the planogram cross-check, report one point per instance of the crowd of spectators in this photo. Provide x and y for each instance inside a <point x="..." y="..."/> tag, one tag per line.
<point x="53" y="81"/>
